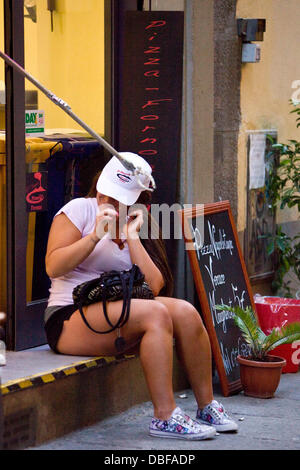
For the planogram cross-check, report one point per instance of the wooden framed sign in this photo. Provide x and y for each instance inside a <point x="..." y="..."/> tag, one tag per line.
<point x="220" y="277"/>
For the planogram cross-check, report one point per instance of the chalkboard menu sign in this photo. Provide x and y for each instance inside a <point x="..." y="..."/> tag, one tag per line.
<point x="220" y="277"/>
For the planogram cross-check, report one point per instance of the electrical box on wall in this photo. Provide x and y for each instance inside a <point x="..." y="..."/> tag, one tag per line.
<point x="251" y="52"/>
<point x="251" y="29"/>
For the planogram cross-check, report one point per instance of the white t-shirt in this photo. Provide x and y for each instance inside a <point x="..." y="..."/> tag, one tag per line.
<point x="106" y="255"/>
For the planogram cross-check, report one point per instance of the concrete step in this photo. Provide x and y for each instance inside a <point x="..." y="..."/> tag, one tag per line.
<point x="46" y="396"/>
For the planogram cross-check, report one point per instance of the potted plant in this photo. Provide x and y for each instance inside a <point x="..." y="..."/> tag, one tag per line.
<point x="260" y="372"/>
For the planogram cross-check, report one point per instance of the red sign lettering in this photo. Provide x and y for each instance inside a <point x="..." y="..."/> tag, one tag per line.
<point x="148" y="152"/>
<point x="156" y="24"/>
<point x="153" y="61"/>
<point x="150" y="117"/>
<point x="152" y="141"/>
<point x="155" y="102"/>
<point x="153" y="37"/>
<point x="153" y="50"/>
<point x="147" y="128"/>
<point x="152" y="73"/>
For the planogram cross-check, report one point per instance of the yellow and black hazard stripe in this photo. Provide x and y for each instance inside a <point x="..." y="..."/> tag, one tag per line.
<point x="63" y="372"/>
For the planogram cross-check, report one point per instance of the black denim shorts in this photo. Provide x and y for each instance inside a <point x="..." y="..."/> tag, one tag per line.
<point x="54" y="325"/>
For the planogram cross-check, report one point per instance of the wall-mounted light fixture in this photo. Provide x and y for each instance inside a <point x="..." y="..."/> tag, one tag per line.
<point x="30" y="6"/>
<point x="250" y="29"/>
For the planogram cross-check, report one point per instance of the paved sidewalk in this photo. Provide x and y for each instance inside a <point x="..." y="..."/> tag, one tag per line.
<point x="264" y="424"/>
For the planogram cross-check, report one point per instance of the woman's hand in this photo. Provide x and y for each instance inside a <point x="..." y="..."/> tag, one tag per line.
<point x="138" y="253"/>
<point x="132" y="227"/>
<point x="105" y="221"/>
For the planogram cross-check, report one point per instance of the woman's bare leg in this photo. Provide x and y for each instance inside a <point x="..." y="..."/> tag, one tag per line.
<point x="150" y="322"/>
<point x="193" y="347"/>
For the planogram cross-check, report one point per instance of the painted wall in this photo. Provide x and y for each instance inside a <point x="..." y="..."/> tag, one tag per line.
<point x="266" y="87"/>
<point x="69" y="60"/>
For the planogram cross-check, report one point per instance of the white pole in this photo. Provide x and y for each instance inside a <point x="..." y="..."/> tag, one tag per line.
<point x="63" y="105"/>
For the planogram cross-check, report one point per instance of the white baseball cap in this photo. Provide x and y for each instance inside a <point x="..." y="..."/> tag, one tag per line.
<point x="119" y="183"/>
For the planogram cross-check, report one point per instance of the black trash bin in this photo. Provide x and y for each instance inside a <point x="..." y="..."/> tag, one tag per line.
<point x="70" y="173"/>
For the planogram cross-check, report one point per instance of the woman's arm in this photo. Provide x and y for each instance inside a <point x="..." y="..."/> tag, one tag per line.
<point x="139" y="255"/>
<point x="67" y="249"/>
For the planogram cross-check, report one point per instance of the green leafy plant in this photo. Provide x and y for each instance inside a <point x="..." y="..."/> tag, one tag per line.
<point x="286" y="251"/>
<point x="259" y="343"/>
<point x="283" y="191"/>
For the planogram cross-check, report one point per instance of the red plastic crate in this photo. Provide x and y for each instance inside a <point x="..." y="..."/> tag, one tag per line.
<point x="276" y="312"/>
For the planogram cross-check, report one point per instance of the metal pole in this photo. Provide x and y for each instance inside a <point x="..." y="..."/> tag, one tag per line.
<point x="63" y="105"/>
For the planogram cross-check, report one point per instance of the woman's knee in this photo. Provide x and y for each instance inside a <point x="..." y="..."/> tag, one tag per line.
<point x="187" y="313"/>
<point x="159" y="317"/>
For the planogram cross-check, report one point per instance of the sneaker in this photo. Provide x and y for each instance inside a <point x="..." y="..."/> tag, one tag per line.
<point x="180" y="426"/>
<point x="215" y="415"/>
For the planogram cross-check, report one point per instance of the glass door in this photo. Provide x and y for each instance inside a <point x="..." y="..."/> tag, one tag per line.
<point x="64" y="49"/>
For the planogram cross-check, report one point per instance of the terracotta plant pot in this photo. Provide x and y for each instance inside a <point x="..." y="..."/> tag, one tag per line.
<point x="260" y="379"/>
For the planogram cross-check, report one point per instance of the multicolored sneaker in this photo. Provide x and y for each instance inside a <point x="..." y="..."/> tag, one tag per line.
<point x="180" y="426"/>
<point x="215" y="415"/>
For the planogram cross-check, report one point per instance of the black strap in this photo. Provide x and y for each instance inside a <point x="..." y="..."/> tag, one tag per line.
<point x="127" y="293"/>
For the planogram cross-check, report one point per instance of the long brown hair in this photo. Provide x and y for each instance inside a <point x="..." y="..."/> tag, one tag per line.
<point x="155" y="247"/>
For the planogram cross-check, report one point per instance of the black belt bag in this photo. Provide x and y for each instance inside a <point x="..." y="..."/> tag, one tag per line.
<point x="112" y="286"/>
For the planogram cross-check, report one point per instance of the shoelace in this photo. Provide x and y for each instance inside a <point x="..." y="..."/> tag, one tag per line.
<point x="186" y="421"/>
<point x="216" y="412"/>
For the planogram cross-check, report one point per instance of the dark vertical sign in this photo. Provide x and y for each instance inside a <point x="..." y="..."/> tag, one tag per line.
<point x="151" y="94"/>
